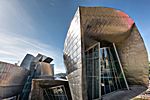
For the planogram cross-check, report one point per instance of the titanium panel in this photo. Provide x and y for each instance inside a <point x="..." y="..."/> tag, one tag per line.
<point x="12" y="79"/>
<point x="95" y="24"/>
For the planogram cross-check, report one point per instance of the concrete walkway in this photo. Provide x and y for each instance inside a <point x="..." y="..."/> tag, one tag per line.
<point x="125" y="94"/>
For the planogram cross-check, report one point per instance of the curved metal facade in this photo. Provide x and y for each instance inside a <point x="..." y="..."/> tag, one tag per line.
<point x="44" y="69"/>
<point x="72" y="57"/>
<point x="91" y="25"/>
<point x="12" y="79"/>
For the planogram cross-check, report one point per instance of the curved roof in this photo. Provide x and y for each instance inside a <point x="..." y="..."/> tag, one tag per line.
<point x="102" y="23"/>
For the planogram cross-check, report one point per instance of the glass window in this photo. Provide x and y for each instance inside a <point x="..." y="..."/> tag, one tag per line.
<point x="103" y="71"/>
<point x="55" y="93"/>
<point x="92" y="66"/>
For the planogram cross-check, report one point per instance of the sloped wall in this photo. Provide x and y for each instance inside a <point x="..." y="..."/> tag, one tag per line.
<point x="134" y="58"/>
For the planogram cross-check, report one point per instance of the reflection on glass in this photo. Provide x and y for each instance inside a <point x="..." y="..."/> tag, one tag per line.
<point x="92" y="64"/>
<point x="102" y="69"/>
<point x="55" y="93"/>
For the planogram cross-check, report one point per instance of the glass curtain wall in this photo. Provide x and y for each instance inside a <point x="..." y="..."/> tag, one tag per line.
<point x="92" y="71"/>
<point x="55" y="93"/>
<point x="103" y="71"/>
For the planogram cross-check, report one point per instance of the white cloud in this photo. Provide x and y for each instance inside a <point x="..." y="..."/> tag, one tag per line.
<point x="13" y="48"/>
<point x="14" y="19"/>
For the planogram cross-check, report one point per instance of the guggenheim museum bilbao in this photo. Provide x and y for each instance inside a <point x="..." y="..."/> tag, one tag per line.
<point x="104" y="53"/>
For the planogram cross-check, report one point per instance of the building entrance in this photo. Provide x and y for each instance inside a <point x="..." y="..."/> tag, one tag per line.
<point x="104" y="72"/>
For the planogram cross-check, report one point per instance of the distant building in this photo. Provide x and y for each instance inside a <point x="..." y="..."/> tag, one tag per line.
<point x="103" y="52"/>
<point x="42" y="84"/>
<point x="33" y="80"/>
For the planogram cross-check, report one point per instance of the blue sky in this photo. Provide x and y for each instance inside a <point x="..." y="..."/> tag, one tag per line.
<point x="32" y="26"/>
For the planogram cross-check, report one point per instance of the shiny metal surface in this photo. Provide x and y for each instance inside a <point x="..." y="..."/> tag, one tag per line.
<point x="44" y="69"/>
<point x="12" y="79"/>
<point x="91" y="25"/>
<point x="105" y="23"/>
<point x="42" y="58"/>
<point x="27" y="61"/>
<point x="73" y="57"/>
